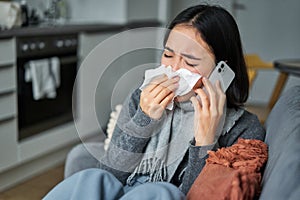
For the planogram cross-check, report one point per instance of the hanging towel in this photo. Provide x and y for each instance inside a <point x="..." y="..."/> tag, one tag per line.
<point x="45" y="77"/>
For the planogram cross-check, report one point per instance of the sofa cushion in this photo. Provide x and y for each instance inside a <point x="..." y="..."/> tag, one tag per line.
<point x="282" y="173"/>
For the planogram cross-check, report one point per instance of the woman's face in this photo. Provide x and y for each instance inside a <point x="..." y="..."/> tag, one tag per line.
<point x="186" y="49"/>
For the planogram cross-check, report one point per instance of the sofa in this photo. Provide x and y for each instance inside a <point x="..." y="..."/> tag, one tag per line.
<point x="281" y="175"/>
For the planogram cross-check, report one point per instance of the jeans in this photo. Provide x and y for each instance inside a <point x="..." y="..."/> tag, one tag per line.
<point x="99" y="184"/>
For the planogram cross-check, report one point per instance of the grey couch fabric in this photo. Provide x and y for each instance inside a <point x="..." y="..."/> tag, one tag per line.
<point x="281" y="179"/>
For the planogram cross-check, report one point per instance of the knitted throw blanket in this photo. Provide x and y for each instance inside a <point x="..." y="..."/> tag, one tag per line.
<point x="231" y="173"/>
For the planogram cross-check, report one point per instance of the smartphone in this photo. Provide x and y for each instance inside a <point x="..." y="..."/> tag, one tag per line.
<point x="223" y="73"/>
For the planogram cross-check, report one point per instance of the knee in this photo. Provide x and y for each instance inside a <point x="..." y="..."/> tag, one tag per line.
<point x="100" y="176"/>
<point x="167" y="190"/>
<point x="155" y="190"/>
<point x="79" y="158"/>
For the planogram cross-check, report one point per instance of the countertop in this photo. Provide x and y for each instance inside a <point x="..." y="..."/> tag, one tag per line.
<point x="62" y="29"/>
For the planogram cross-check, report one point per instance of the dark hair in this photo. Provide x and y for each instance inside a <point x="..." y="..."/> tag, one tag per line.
<point x="219" y="30"/>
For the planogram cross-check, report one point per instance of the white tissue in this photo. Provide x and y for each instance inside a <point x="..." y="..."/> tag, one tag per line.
<point x="186" y="83"/>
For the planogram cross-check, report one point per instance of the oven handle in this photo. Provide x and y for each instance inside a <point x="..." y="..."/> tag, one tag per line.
<point x="68" y="60"/>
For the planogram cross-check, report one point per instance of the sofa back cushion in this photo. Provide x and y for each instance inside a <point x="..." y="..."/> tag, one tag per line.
<point x="282" y="173"/>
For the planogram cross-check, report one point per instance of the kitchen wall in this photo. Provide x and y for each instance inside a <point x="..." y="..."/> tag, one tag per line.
<point x="269" y="28"/>
<point x="113" y="11"/>
<point x="87" y="11"/>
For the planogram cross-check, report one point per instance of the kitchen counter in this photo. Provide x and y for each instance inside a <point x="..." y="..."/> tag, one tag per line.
<point x="73" y="28"/>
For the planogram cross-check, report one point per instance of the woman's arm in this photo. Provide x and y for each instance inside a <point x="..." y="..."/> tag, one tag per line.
<point x="130" y="137"/>
<point x="247" y="127"/>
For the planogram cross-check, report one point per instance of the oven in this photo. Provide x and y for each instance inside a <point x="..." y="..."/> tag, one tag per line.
<point x="36" y="115"/>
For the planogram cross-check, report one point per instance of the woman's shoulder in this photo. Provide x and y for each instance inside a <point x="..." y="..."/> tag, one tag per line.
<point x="247" y="126"/>
<point x="249" y="118"/>
<point x="251" y="123"/>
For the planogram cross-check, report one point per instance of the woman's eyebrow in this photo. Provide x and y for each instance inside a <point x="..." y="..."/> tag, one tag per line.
<point x="169" y="49"/>
<point x="183" y="54"/>
<point x="190" y="56"/>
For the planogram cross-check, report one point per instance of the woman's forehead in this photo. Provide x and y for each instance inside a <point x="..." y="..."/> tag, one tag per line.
<point x="186" y="39"/>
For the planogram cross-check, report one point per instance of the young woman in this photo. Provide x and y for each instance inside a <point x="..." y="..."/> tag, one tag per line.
<point x="154" y="149"/>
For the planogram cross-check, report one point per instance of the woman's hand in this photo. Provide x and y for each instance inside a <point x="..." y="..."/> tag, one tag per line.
<point x="208" y="112"/>
<point x="157" y="95"/>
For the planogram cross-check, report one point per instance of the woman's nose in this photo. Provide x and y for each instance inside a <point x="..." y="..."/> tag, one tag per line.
<point x="176" y="63"/>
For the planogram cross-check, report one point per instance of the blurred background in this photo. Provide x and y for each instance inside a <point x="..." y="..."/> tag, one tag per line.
<point x="37" y="128"/>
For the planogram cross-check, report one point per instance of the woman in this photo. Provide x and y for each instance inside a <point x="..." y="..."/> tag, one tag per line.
<point x="154" y="149"/>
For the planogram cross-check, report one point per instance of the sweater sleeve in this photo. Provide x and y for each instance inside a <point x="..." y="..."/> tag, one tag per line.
<point x="130" y="137"/>
<point x="247" y="127"/>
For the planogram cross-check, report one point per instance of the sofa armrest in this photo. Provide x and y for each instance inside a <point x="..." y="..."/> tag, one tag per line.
<point x="282" y="172"/>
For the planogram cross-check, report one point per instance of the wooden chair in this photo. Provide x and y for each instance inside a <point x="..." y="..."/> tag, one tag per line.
<point x="254" y="64"/>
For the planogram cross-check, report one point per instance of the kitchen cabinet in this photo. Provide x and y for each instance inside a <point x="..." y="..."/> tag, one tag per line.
<point x="8" y="104"/>
<point x="20" y="159"/>
<point x="15" y="151"/>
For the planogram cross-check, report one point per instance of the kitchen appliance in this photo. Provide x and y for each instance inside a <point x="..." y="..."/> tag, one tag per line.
<point x="36" y="116"/>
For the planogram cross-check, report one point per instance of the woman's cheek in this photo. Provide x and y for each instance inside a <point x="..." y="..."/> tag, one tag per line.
<point x="193" y="70"/>
<point x="163" y="61"/>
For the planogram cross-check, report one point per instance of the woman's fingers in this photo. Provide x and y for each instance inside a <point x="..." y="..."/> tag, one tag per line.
<point x="213" y="99"/>
<point x="165" y="87"/>
<point x="196" y="104"/>
<point x="165" y="101"/>
<point x="208" y="111"/>
<point x="161" y="88"/>
<point x="157" y="95"/>
<point x="204" y="100"/>
<point x="155" y="82"/>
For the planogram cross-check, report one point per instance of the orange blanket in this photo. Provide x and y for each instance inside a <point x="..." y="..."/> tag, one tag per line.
<point x="231" y="173"/>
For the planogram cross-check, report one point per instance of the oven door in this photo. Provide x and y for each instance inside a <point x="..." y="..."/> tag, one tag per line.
<point x="35" y="116"/>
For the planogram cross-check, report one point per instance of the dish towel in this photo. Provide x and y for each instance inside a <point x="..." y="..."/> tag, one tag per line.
<point x="45" y="77"/>
<point x="186" y="83"/>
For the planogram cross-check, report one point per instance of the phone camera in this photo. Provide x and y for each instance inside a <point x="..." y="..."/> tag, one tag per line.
<point x="222" y="65"/>
<point x="219" y="70"/>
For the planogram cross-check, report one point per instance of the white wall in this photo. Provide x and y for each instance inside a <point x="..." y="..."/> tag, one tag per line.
<point x="112" y="11"/>
<point x="271" y="29"/>
<point x="179" y="5"/>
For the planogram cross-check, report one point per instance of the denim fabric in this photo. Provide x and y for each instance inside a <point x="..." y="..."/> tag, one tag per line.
<point x="100" y="184"/>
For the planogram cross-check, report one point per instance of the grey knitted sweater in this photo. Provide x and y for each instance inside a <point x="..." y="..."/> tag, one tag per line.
<point x="133" y="132"/>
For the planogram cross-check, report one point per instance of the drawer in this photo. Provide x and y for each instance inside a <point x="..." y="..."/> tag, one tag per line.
<point x="8" y="147"/>
<point x="8" y="51"/>
<point x="8" y="104"/>
<point x="7" y="78"/>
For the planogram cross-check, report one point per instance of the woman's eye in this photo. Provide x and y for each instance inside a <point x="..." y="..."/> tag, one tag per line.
<point x="167" y="56"/>
<point x="191" y="65"/>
